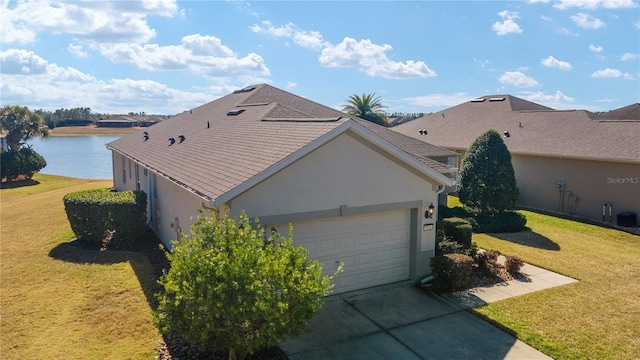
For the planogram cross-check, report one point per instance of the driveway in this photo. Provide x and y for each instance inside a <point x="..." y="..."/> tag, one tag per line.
<point x="400" y="321"/>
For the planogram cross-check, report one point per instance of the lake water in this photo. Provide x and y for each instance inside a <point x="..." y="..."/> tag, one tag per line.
<point x="84" y="157"/>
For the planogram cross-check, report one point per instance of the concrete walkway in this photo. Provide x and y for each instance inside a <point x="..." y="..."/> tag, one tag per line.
<point x="401" y="321"/>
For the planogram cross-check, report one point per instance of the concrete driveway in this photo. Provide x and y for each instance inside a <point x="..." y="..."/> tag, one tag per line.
<point x="400" y="321"/>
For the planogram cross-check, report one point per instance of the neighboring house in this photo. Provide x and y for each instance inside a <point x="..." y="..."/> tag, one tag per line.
<point x="355" y="192"/>
<point x="571" y="161"/>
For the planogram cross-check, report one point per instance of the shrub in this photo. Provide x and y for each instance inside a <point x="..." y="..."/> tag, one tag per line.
<point x="513" y="264"/>
<point x="21" y="162"/>
<point x="457" y="211"/>
<point x="230" y="288"/>
<point x="507" y="221"/>
<point x="107" y="218"/>
<point x="459" y="230"/>
<point x="452" y="272"/>
<point x="486" y="179"/>
<point x="448" y="246"/>
<point x="488" y="262"/>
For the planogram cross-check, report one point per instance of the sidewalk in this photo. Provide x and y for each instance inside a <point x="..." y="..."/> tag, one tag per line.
<point x="533" y="279"/>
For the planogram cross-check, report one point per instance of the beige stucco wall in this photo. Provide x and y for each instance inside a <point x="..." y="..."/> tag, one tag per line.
<point x="345" y="171"/>
<point x="593" y="182"/>
<point x="165" y="204"/>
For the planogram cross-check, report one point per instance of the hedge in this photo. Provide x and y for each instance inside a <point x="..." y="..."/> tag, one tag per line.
<point x="459" y="230"/>
<point x="507" y="221"/>
<point x="107" y="218"/>
<point x="452" y="272"/>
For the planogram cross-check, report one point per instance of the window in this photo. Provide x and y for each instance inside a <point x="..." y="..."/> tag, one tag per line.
<point x="124" y="170"/>
<point x="137" y="177"/>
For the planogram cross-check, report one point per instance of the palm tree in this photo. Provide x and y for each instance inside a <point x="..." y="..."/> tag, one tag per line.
<point x="367" y="107"/>
<point x="20" y="124"/>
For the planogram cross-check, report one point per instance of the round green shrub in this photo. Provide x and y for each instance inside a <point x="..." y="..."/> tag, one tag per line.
<point x="452" y="272"/>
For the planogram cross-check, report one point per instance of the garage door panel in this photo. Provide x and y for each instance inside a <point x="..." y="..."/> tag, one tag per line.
<point x="374" y="248"/>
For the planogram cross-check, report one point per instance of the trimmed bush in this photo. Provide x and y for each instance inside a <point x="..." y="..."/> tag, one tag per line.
<point x="513" y="264"/>
<point x="20" y="162"/>
<point x="452" y="272"/>
<point x="458" y="211"/>
<point x="488" y="262"/>
<point x="507" y="221"/>
<point x="107" y="218"/>
<point x="459" y="230"/>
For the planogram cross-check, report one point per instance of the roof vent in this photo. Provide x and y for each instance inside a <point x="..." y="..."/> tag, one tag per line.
<point x="181" y="137"/>
<point x="172" y="141"/>
<point x="244" y="90"/>
<point x="506" y="134"/>
<point x="234" y="112"/>
<point x="145" y="136"/>
<point x="497" y="99"/>
<point x="478" y="100"/>
<point x="422" y="132"/>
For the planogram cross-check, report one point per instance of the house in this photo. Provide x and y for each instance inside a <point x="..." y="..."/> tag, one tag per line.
<point x="570" y="161"/>
<point x="355" y="192"/>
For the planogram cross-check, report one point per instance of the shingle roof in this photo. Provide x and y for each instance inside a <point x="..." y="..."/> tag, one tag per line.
<point x="630" y="112"/>
<point x="221" y="152"/>
<point x="534" y="129"/>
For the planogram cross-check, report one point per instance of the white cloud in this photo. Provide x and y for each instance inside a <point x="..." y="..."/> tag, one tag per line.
<point x="203" y="55"/>
<point x="306" y="39"/>
<point x="595" y="49"/>
<point x="100" y="21"/>
<point x="537" y="1"/>
<point x="517" y="78"/>
<point x="545" y="18"/>
<point x="555" y="101"/>
<point x="508" y="25"/>
<point x="431" y="101"/>
<point x="587" y="21"/>
<point x="372" y="58"/>
<point x="77" y="51"/>
<point x="628" y="57"/>
<point x="595" y="4"/>
<point x="612" y="73"/>
<point x="369" y="57"/>
<point x="636" y="24"/>
<point x="32" y="81"/>
<point x="555" y="63"/>
<point x="291" y="84"/>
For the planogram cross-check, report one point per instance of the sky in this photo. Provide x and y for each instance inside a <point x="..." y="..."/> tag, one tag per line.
<point x="167" y="56"/>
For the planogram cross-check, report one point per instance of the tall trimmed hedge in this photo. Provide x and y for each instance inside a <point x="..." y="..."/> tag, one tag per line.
<point x="459" y="230"/>
<point x="107" y="218"/>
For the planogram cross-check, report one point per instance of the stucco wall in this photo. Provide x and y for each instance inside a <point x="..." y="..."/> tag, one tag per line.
<point x="346" y="171"/>
<point x="593" y="182"/>
<point x="165" y="203"/>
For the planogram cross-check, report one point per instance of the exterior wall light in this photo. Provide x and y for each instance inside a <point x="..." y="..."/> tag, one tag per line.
<point x="430" y="211"/>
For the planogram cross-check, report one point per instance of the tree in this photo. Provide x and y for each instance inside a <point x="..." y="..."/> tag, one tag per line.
<point x="366" y="107"/>
<point x="231" y="288"/>
<point x="20" y="124"/>
<point x="20" y="162"/>
<point x="487" y="181"/>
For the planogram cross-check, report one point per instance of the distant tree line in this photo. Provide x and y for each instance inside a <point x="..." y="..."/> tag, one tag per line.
<point x="80" y="116"/>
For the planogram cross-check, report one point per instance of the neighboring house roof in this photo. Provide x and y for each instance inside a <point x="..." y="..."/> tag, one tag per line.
<point x="223" y="147"/>
<point x="631" y="112"/>
<point x="533" y="129"/>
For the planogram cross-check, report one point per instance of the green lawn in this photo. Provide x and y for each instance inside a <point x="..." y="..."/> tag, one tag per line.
<point x="60" y="301"/>
<point x="595" y="318"/>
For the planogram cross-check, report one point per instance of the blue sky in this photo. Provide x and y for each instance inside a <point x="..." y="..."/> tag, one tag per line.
<point x="165" y="56"/>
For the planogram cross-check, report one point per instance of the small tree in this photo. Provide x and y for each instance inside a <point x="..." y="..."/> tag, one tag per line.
<point x="20" y="162"/>
<point x="487" y="181"/>
<point x="232" y="288"/>
<point x="20" y="124"/>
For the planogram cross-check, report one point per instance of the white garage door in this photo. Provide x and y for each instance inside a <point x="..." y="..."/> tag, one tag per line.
<point x="374" y="248"/>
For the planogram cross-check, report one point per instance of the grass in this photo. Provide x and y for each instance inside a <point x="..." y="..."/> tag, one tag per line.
<point x="91" y="130"/>
<point x="61" y="301"/>
<point x="595" y="318"/>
